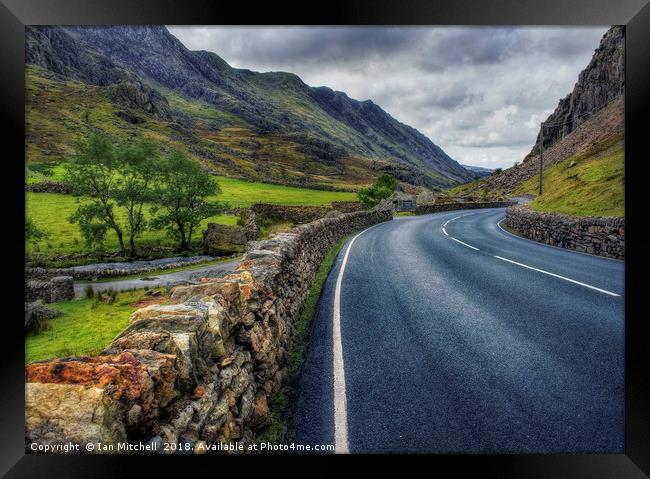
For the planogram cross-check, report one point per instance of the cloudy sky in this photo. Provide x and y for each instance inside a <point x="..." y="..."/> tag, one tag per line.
<point x="478" y="92"/>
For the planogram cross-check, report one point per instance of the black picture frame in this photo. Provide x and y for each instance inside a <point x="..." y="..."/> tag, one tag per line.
<point x="634" y="14"/>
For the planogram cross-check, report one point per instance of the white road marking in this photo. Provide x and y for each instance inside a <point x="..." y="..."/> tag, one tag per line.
<point x="447" y="234"/>
<point x="340" y="395"/>
<point x="558" y="276"/>
<point x="465" y="244"/>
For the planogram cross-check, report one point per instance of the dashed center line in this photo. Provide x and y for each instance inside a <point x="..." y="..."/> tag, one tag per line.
<point x="600" y="290"/>
<point x="558" y="276"/>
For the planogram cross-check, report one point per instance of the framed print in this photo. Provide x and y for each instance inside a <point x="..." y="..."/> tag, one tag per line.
<point x="372" y="229"/>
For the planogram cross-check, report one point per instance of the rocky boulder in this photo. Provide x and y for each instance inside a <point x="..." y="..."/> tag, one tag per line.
<point x="134" y="94"/>
<point x="36" y="313"/>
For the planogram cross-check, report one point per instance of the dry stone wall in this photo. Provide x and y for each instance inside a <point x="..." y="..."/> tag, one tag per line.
<point x="347" y="206"/>
<point x="53" y="290"/>
<point x="436" y="208"/>
<point x="199" y="371"/>
<point x="599" y="236"/>
<point x="295" y="214"/>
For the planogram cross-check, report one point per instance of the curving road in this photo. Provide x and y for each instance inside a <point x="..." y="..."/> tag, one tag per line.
<point x="447" y="334"/>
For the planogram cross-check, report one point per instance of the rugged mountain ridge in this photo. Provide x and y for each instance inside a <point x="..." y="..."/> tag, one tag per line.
<point x="591" y="114"/>
<point x="599" y="84"/>
<point x="142" y="66"/>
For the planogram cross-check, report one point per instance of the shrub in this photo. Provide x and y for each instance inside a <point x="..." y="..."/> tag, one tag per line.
<point x="382" y="188"/>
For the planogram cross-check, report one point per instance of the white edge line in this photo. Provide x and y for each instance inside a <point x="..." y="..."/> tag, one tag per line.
<point x="553" y="246"/>
<point x="558" y="276"/>
<point x="340" y="394"/>
<point x="445" y="231"/>
<point x="465" y="244"/>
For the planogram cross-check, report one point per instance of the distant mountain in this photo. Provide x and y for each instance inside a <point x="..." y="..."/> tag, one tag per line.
<point x="269" y="126"/>
<point x="479" y="170"/>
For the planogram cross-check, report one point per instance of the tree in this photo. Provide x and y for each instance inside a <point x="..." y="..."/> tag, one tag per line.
<point x="92" y="171"/>
<point x="112" y="175"/>
<point x="182" y="195"/>
<point x="497" y="171"/>
<point x="138" y="164"/>
<point x="383" y="187"/>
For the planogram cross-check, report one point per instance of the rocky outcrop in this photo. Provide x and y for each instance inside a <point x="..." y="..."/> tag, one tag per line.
<point x="200" y="371"/>
<point x="36" y="313"/>
<point x="219" y="239"/>
<point x="134" y="94"/>
<point x="592" y="113"/>
<point x="602" y="82"/>
<point x="594" y="235"/>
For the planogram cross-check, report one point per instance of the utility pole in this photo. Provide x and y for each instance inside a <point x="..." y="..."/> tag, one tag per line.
<point x="541" y="157"/>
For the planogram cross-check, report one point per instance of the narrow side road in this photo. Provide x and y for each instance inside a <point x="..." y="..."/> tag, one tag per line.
<point x="153" y="280"/>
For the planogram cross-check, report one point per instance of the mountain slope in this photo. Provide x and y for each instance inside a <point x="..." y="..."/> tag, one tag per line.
<point x="583" y="143"/>
<point x="239" y="122"/>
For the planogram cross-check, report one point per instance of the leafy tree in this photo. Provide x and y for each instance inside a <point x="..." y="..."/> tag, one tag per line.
<point x="182" y="195"/>
<point x="497" y="171"/>
<point x="138" y="164"/>
<point x="93" y="171"/>
<point x="32" y="233"/>
<point x="383" y="187"/>
<point x="112" y="175"/>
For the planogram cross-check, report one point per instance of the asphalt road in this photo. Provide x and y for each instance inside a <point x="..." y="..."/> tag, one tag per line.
<point x="155" y="280"/>
<point x="448" y="349"/>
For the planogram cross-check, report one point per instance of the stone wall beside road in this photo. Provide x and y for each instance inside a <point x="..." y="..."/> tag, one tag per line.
<point x="196" y="372"/>
<point x="438" y="207"/>
<point x="594" y="235"/>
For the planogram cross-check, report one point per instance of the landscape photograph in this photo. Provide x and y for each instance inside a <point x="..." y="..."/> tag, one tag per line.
<point x="324" y="239"/>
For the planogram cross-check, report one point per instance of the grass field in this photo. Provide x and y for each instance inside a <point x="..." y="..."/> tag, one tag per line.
<point x="50" y="213"/>
<point x="85" y="328"/>
<point x="594" y="186"/>
<point x="241" y="193"/>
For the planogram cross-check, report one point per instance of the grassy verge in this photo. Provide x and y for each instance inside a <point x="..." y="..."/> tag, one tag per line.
<point x="280" y="404"/>
<point x="85" y="328"/>
<point x="588" y="184"/>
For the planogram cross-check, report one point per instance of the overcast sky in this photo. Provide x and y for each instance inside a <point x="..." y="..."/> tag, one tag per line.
<point x="477" y="92"/>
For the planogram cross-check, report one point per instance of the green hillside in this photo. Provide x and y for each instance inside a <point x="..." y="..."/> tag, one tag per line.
<point x="58" y="111"/>
<point x="593" y="186"/>
<point x="239" y="123"/>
